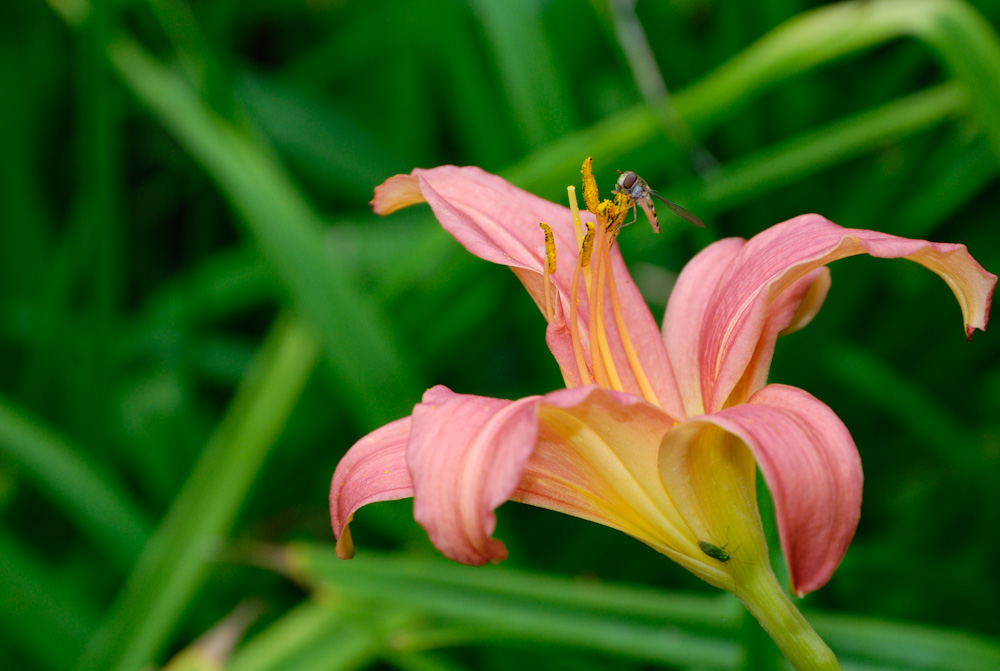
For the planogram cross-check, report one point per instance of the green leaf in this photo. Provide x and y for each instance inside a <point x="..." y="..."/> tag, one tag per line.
<point x="378" y="380"/>
<point x="535" y="91"/>
<point x="504" y="604"/>
<point x="174" y="563"/>
<point x="958" y="34"/>
<point x="657" y="625"/>
<point x="94" y="499"/>
<point x="42" y="614"/>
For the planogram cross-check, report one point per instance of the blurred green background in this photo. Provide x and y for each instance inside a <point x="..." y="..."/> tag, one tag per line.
<point x="199" y="315"/>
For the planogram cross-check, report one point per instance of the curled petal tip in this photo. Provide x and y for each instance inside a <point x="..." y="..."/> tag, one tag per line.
<point x="971" y="328"/>
<point x="466" y="454"/>
<point x="345" y="544"/>
<point x="809" y="462"/>
<point x="395" y="193"/>
<point x="374" y="469"/>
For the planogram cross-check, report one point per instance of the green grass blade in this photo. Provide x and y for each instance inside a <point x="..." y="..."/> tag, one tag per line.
<point x="539" y="102"/>
<point x="870" y="643"/>
<point x="299" y="628"/>
<point x="932" y="426"/>
<point x="93" y="499"/>
<point x="333" y="152"/>
<point x="174" y="563"/>
<point x="513" y="605"/>
<point x="760" y="173"/>
<point x="789" y="161"/>
<point x="378" y="381"/>
<point x="41" y="614"/>
<point x="517" y="605"/>
<point x="26" y="244"/>
<point x="218" y="288"/>
<point x="954" y="29"/>
<point x="318" y="563"/>
<point x="310" y="636"/>
<point x="417" y="661"/>
<point x="951" y="188"/>
<point x="500" y="604"/>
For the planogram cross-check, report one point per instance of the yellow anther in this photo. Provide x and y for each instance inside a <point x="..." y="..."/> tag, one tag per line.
<point x="590" y="194"/>
<point x="588" y="245"/>
<point x="612" y="214"/>
<point x="606" y="210"/>
<point x="550" y="249"/>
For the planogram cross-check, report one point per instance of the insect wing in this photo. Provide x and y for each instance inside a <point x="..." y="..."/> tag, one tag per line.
<point x="680" y="211"/>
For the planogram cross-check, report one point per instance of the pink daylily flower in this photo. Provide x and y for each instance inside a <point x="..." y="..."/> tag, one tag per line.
<point x="658" y="433"/>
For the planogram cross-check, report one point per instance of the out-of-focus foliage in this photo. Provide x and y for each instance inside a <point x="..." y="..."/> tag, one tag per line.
<point x="199" y="315"/>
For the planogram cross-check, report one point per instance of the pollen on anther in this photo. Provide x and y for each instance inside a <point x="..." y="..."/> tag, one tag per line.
<point x="590" y="194"/>
<point x="588" y="245"/>
<point x="550" y="249"/>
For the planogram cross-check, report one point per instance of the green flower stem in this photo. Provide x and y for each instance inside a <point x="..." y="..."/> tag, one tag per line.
<point x="760" y="592"/>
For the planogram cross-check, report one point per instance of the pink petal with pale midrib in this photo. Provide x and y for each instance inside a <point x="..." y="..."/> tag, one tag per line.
<point x="374" y="469"/>
<point x="498" y="222"/>
<point x="586" y="452"/>
<point x="813" y="471"/>
<point x="466" y="454"/>
<point x="737" y="303"/>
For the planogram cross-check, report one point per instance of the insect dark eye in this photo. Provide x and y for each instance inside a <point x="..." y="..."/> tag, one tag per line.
<point x="629" y="179"/>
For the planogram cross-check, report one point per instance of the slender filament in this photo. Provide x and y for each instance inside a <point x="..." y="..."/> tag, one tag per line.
<point x="582" y="261"/>
<point x="630" y="353"/>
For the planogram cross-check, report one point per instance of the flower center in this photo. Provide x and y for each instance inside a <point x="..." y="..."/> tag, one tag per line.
<point x="594" y="278"/>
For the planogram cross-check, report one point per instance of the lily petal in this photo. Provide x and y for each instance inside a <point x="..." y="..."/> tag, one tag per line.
<point x="596" y="459"/>
<point x="498" y="222"/>
<point x="792" y="309"/>
<point x="586" y="452"/>
<point x="374" y="469"/>
<point x="740" y="304"/>
<point x="809" y="461"/>
<point x="466" y="456"/>
<point x="686" y="312"/>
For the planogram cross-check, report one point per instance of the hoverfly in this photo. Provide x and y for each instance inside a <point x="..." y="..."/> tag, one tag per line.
<point x="636" y="188"/>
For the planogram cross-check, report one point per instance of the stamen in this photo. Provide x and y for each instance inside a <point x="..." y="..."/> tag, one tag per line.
<point x="601" y="360"/>
<point x="550" y="269"/>
<point x="588" y="246"/>
<point x="582" y="261"/>
<point x="590" y="194"/>
<point x="630" y="353"/>
<point x="616" y="212"/>
<point x="574" y="208"/>
<point x="600" y="349"/>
